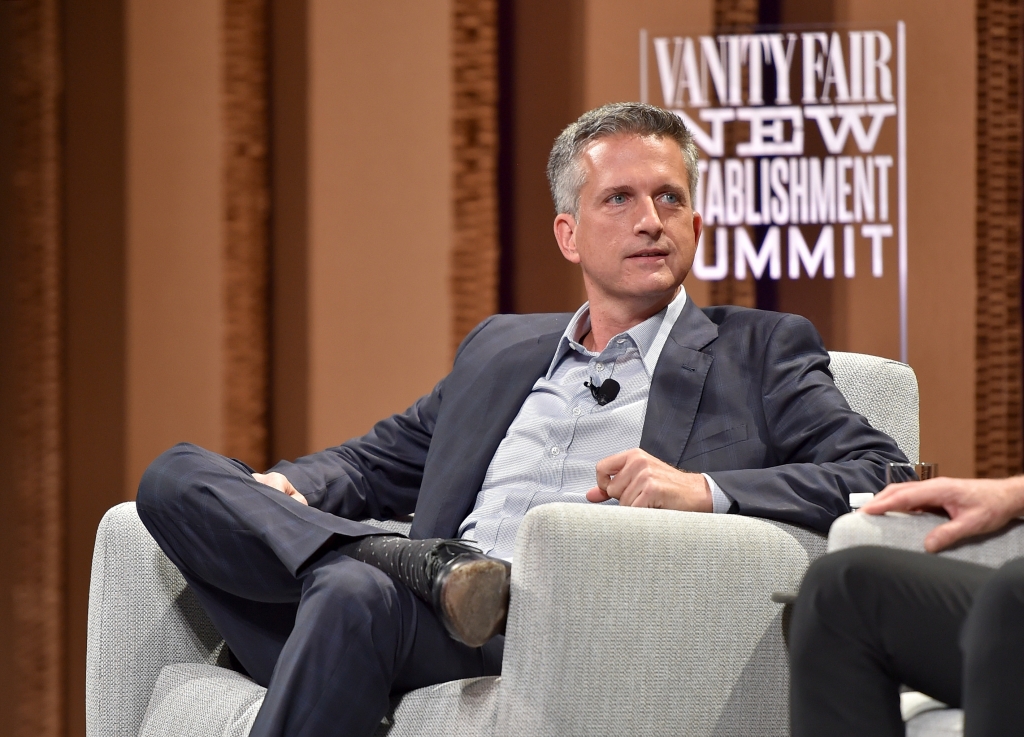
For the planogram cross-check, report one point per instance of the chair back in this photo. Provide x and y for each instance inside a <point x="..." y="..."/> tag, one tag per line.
<point x="885" y="392"/>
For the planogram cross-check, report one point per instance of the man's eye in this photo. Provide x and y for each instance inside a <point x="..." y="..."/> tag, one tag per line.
<point x="617" y="199"/>
<point x="671" y="198"/>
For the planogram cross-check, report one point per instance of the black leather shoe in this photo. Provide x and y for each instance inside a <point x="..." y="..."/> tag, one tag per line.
<point x="468" y="590"/>
<point x="470" y="593"/>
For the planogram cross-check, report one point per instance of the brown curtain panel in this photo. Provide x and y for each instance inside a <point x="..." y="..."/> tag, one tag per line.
<point x="246" y="238"/>
<point x="732" y="291"/>
<point x="474" y="263"/>
<point x="31" y="447"/>
<point x="998" y="350"/>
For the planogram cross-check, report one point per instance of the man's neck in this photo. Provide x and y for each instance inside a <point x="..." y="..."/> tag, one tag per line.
<point x="608" y="319"/>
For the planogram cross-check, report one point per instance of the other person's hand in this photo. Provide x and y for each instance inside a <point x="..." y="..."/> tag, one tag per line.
<point x="278" y="481"/>
<point x="638" y="479"/>
<point x="974" y="506"/>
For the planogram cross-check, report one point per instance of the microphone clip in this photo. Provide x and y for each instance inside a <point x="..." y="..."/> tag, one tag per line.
<point x="605" y="392"/>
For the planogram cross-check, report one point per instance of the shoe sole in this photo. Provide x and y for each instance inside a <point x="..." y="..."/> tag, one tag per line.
<point x="475" y="601"/>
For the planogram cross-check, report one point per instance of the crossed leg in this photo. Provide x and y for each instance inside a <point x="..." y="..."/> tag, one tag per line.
<point x="331" y="638"/>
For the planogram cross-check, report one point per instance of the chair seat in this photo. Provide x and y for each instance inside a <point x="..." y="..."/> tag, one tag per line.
<point x="193" y="698"/>
<point x="939" y="723"/>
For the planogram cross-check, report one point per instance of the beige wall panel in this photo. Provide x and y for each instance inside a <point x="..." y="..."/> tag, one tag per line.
<point x="174" y="301"/>
<point x="380" y="210"/>
<point x="612" y="47"/>
<point x="941" y="103"/>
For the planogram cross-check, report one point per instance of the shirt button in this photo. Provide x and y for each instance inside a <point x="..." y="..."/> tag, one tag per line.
<point x="600" y="367"/>
<point x="577" y="411"/>
<point x="555" y="451"/>
<point x="620" y="341"/>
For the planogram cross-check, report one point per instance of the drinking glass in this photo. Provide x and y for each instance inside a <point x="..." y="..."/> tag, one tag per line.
<point x="896" y="473"/>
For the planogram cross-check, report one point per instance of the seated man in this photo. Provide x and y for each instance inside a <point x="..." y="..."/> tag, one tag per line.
<point x="869" y="619"/>
<point x="665" y="404"/>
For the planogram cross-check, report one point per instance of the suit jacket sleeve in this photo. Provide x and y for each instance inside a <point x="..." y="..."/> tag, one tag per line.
<point x="820" y="449"/>
<point x="378" y="475"/>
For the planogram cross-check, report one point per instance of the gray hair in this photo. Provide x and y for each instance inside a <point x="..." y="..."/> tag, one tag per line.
<point x="565" y="175"/>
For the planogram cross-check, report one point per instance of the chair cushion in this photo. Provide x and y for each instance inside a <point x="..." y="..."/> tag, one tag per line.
<point x="201" y="700"/>
<point x="941" y="723"/>
<point x="466" y="707"/>
<point x="208" y="701"/>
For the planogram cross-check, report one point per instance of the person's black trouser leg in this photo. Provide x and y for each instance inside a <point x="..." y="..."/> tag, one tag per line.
<point x="866" y="620"/>
<point x="992" y="641"/>
<point x="331" y="639"/>
<point x="869" y="619"/>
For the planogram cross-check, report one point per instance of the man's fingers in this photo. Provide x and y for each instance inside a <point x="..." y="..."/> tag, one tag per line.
<point x="608" y="467"/>
<point x="948" y="533"/>
<point x="905" y="498"/>
<point x="631" y="494"/>
<point x="597" y="495"/>
<point x="889" y="490"/>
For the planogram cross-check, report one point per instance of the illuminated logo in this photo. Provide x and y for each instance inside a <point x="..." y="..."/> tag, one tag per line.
<point x="803" y="142"/>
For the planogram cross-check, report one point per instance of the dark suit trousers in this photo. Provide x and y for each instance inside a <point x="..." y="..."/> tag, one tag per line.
<point x="869" y="619"/>
<point x="331" y="638"/>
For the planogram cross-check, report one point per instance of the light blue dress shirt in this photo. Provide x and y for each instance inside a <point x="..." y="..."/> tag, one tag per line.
<point x="552" y="447"/>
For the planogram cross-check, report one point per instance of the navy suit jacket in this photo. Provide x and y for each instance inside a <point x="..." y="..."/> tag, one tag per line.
<point x="743" y="395"/>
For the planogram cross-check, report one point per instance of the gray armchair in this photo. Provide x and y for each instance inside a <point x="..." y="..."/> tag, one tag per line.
<point x="623" y="621"/>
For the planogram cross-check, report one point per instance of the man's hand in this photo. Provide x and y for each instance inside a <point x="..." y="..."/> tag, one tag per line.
<point x="638" y="479"/>
<point x="278" y="481"/>
<point x="974" y="506"/>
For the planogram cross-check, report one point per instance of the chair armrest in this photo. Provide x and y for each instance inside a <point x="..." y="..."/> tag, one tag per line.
<point x="638" y="621"/>
<point x="907" y="532"/>
<point x="141" y="618"/>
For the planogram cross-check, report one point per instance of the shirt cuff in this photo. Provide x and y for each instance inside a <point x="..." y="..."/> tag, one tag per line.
<point x="720" y="503"/>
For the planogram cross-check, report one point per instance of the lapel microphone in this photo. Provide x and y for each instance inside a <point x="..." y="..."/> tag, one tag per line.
<point x="606" y="392"/>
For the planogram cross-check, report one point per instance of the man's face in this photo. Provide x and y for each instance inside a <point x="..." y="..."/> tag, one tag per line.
<point x="636" y="232"/>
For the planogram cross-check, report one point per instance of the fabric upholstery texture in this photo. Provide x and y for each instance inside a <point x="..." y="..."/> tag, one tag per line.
<point x="941" y="723"/>
<point x="622" y="621"/>
<point x="191" y="698"/>
<point x="669" y="628"/>
<point x="907" y="532"/>
<point x="465" y="707"/>
<point x="141" y="617"/>
<point x="885" y="392"/>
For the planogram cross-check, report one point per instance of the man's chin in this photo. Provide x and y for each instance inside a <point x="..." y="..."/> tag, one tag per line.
<point x="650" y="294"/>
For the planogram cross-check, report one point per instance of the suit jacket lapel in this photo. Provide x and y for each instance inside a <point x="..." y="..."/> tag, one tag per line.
<point x="485" y="409"/>
<point x="677" y="385"/>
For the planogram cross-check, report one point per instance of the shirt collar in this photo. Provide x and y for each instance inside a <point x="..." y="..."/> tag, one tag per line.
<point x="649" y="336"/>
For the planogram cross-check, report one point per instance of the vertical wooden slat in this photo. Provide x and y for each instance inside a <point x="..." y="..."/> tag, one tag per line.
<point x="246" y="254"/>
<point x="474" y="279"/>
<point x="34" y="485"/>
<point x="998" y="444"/>
<point x="730" y="14"/>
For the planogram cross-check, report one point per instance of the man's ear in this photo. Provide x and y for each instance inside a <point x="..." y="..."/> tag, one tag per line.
<point x="565" y="234"/>
<point x="698" y="226"/>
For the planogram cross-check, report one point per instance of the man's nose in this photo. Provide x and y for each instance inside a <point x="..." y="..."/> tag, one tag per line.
<point x="648" y="219"/>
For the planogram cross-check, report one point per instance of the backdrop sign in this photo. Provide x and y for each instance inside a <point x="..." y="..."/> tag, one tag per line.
<point x="803" y="141"/>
